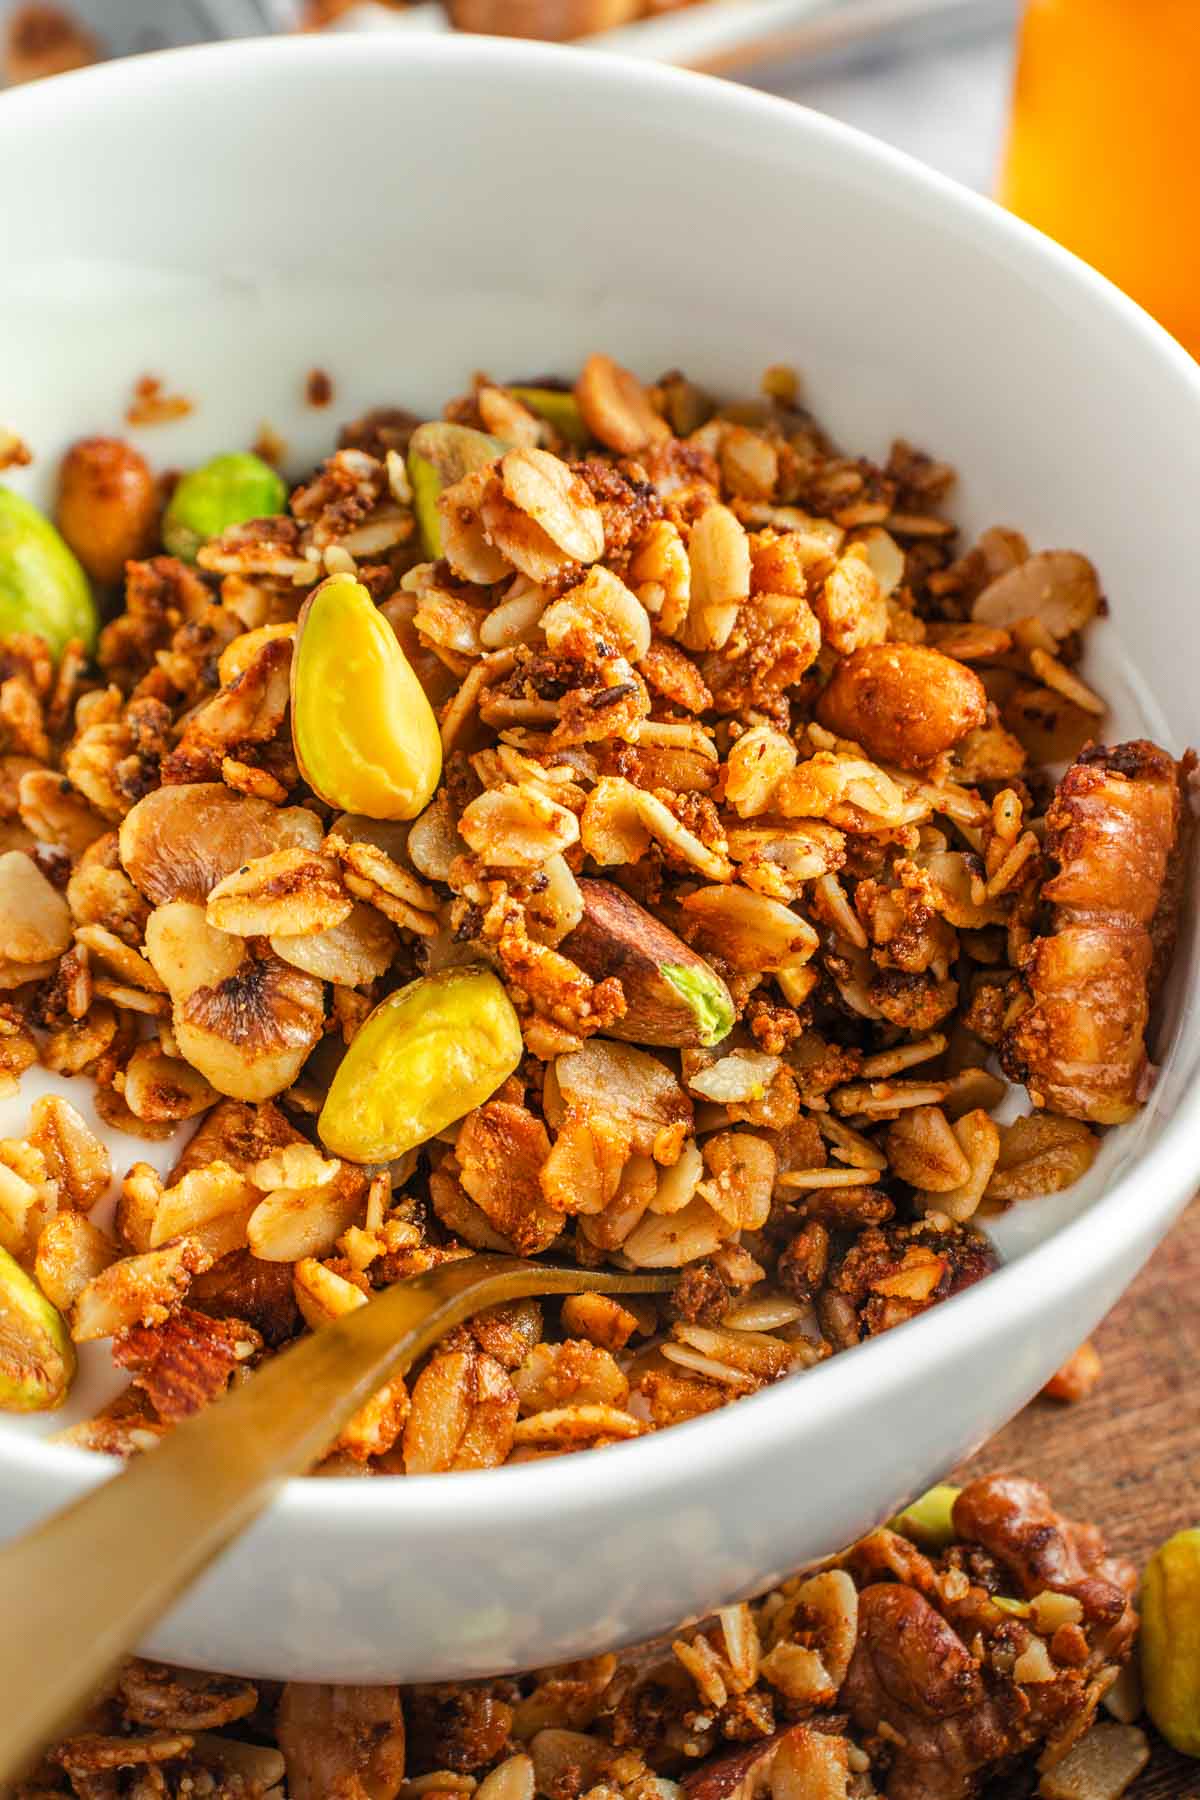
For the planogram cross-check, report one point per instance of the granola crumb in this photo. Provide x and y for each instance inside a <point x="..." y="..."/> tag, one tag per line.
<point x="270" y="445"/>
<point x="318" y="387"/>
<point x="14" y="452"/>
<point x="151" y="406"/>
<point x="1079" y="1376"/>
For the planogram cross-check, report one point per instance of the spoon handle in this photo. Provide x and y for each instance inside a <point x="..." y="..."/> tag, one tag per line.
<point x="79" y="1591"/>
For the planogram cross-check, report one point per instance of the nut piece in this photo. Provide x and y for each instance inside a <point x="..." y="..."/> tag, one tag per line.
<point x="904" y="703"/>
<point x="1170" y="1640"/>
<point x="1077" y="1377"/>
<point x="559" y="408"/>
<point x="243" y="1018"/>
<point x="425" y="1056"/>
<point x="107" y="505"/>
<point x="180" y="841"/>
<point x="227" y="491"/>
<point x="439" y="455"/>
<point x="1101" y="1766"/>
<point x="929" y="1521"/>
<point x="42" y="587"/>
<point x="672" y="996"/>
<point x="37" y="1358"/>
<point x="365" y="735"/>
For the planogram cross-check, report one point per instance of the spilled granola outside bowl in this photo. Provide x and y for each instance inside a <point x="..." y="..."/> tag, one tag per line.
<point x="585" y="812"/>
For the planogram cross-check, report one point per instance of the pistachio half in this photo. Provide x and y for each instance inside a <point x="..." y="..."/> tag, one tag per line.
<point x="440" y="454"/>
<point x="1170" y="1640"/>
<point x="42" y="586"/>
<point x="37" y="1357"/>
<point x="225" y="491"/>
<point x="428" y="1054"/>
<point x="672" y="995"/>
<point x="559" y="408"/>
<point x="364" y="733"/>
<point x="929" y="1521"/>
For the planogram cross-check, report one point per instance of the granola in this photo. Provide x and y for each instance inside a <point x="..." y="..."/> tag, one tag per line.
<point x="892" y="1674"/>
<point x="693" y="784"/>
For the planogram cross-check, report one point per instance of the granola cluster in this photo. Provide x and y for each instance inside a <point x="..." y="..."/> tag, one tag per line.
<point x="743" y="798"/>
<point x="891" y="1673"/>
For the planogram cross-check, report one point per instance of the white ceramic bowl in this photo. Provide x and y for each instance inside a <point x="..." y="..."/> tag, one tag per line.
<point x="402" y="213"/>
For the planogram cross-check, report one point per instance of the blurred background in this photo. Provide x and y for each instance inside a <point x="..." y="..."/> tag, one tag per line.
<point x="1078" y="114"/>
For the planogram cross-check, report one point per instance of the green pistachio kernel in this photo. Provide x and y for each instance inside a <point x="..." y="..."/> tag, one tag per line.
<point x="226" y="491"/>
<point x="37" y="1357"/>
<point x="439" y="454"/>
<point x="708" y="998"/>
<point x="560" y="409"/>
<point x="929" y="1521"/>
<point x="43" y="588"/>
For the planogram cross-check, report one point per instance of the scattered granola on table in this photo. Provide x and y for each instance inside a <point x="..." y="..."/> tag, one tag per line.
<point x="895" y="1672"/>
<point x="594" y="823"/>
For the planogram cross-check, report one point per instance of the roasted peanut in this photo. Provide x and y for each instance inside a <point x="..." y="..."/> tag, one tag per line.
<point x="616" y="408"/>
<point x="904" y="703"/>
<point x="107" y="505"/>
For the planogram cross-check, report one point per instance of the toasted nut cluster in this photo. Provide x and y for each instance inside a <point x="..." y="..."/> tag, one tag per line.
<point x="913" y="1669"/>
<point x="596" y="823"/>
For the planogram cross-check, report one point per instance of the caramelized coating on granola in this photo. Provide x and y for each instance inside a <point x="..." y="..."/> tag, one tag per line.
<point x="186" y="1361"/>
<point x="892" y="1676"/>
<point x="949" y="1687"/>
<point x="905" y="703"/>
<point x="1113" y="830"/>
<point x="1014" y="1521"/>
<point x="734" y="765"/>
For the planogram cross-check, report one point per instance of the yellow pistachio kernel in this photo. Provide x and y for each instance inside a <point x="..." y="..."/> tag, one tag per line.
<point x="427" y="1055"/>
<point x="364" y="733"/>
<point x="37" y="1357"/>
<point x="929" y="1521"/>
<point x="1170" y="1640"/>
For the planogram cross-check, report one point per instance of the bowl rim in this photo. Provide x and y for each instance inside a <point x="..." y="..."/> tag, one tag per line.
<point x="1011" y="1296"/>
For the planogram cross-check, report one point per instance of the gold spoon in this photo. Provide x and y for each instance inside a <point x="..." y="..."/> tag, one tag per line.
<point x="79" y="1591"/>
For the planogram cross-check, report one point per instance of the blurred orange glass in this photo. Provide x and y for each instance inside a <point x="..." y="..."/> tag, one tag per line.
<point x="1104" y="145"/>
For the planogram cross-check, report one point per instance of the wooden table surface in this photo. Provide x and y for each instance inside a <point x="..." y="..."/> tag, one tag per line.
<point x="1128" y="1457"/>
